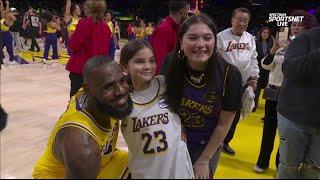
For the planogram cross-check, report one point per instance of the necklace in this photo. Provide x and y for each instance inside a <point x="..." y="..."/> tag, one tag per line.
<point x="197" y="79"/>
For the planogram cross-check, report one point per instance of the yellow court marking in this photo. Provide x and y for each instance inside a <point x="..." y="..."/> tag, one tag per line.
<point x="246" y="142"/>
<point x="37" y="57"/>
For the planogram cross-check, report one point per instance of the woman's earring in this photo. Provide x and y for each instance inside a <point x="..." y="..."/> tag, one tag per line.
<point x="181" y="54"/>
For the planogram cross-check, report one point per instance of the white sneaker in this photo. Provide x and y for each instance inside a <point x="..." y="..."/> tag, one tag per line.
<point x="44" y="61"/>
<point x="12" y="62"/>
<point x="258" y="169"/>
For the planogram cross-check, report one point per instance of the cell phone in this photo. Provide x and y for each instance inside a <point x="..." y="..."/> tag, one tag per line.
<point x="283" y="36"/>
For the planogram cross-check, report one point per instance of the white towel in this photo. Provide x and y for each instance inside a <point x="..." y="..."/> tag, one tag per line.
<point x="247" y="102"/>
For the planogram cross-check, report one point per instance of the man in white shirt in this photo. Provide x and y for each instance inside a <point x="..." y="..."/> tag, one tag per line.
<point x="238" y="48"/>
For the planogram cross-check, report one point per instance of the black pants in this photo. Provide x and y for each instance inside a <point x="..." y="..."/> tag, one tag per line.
<point x="232" y="129"/>
<point x="256" y="97"/>
<point x="34" y="44"/>
<point x="76" y="83"/>
<point x="269" y="132"/>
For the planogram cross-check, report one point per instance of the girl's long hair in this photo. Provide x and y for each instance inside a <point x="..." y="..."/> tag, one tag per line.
<point x="269" y="39"/>
<point x="175" y="75"/>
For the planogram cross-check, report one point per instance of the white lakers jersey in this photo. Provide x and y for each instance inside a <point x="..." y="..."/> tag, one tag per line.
<point x="153" y="136"/>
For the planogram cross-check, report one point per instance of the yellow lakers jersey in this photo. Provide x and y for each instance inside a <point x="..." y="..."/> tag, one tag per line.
<point x="48" y="166"/>
<point x="141" y="33"/>
<point x="111" y="27"/>
<point x="4" y="26"/>
<point x="71" y="26"/>
<point x="50" y="29"/>
<point x="149" y="31"/>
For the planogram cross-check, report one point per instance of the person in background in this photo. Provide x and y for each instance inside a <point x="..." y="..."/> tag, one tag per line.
<point x="51" y="27"/>
<point x="298" y="103"/>
<point x="113" y="44"/>
<point x="5" y="23"/>
<point x="149" y="32"/>
<point x="87" y="42"/>
<point x="130" y="32"/>
<point x="34" y="29"/>
<point x="15" y="30"/>
<point x="141" y="33"/>
<point x="165" y="35"/>
<point x="25" y="27"/>
<point x="71" y="17"/>
<point x="204" y="90"/>
<point x="263" y="44"/>
<point x="272" y="62"/>
<point x="238" y="48"/>
<point x="117" y="33"/>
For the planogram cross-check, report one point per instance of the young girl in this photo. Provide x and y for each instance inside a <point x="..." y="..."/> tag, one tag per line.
<point x="52" y="26"/>
<point x="152" y="132"/>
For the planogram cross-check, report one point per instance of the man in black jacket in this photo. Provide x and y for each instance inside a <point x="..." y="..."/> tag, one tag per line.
<point x="299" y="108"/>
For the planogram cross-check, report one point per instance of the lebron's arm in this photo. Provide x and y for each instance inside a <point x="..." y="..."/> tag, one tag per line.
<point x="79" y="152"/>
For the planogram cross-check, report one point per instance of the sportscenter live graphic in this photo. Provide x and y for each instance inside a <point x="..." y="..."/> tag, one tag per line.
<point x="282" y="19"/>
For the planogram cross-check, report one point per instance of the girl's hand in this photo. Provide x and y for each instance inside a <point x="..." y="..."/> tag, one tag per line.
<point x="276" y="45"/>
<point x="201" y="168"/>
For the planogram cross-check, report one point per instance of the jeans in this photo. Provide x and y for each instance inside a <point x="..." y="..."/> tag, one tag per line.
<point x="51" y="41"/>
<point x="299" y="150"/>
<point x="8" y="43"/>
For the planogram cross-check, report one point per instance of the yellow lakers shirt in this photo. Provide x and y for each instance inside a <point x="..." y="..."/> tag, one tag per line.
<point x="72" y="24"/>
<point x="113" y="163"/>
<point x="50" y="29"/>
<point x="4" y="27"/>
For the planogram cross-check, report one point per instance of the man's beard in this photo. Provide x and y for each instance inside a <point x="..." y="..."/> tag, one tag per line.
<point x="113" y="111"/>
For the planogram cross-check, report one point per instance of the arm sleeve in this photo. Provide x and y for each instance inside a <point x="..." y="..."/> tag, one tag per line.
<point x="219" y="45"/>
<point x="267" y="62"/>
<point x="231" y="100"/>
<point x="254" y="62"/>
<point x="299" y="61"/>
<point x="80" y="35"/>
<point x="160" y="44"/>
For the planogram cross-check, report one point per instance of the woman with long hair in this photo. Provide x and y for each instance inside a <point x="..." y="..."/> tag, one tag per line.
<point x="204" y="90"/>
<point x="71" y="17"/>
<point x="263" y="45"/>
<point x="273" y="62"/>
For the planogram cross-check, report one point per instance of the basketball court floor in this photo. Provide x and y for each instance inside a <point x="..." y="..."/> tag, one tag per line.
<point x="36" y="94"/>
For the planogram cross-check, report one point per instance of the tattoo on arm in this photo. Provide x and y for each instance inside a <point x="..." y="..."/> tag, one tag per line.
<point x="79" y="152"/>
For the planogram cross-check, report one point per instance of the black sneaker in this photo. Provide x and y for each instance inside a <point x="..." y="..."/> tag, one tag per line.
<point x="228" y="150"/>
